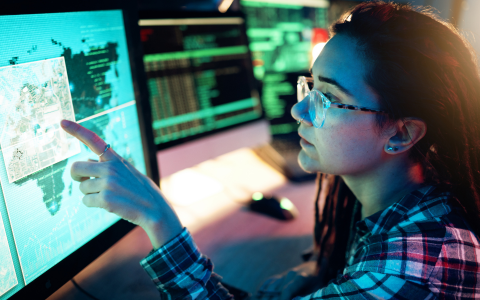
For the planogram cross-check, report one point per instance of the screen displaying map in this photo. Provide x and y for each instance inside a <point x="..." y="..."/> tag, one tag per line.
<point x="57" y="66"/>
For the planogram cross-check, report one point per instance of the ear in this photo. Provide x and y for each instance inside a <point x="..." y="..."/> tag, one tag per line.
<point x="405" y="134"/>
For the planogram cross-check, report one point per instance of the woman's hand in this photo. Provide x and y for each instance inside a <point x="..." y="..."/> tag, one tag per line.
<point x="116" y="186"/>
<point x="289" y="284"/>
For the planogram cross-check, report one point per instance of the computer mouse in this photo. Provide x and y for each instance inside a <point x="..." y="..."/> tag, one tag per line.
<point x="281" y="209"/>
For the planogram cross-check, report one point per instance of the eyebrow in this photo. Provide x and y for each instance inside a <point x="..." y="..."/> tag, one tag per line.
<point x="335" y="83"/>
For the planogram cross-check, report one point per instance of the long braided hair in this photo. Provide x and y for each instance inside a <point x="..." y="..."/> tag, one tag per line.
<point x="419" y="66"/>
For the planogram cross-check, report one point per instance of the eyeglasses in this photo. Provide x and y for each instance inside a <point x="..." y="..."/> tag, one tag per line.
<point x="318" y="103"/>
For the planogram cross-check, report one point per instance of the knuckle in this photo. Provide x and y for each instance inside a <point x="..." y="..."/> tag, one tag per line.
<point x="104" y="195"/>
<point x="108" y="207"/>
<point x="110" y="183"/>
<point x="111" y="169"/>
<point x="106" y="199"/>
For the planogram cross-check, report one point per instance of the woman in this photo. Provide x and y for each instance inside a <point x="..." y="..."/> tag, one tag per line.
<point x="395" y="113"/>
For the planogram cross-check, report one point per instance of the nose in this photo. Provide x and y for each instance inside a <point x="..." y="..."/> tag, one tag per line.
<point x="300" y="111"/>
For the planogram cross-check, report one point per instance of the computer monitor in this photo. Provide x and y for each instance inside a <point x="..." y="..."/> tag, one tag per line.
<point x="77" y="63"/>
<point x="202" y="92"/>
<point x="281" y="34"/>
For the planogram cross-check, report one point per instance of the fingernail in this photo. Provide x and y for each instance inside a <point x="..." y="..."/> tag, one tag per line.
<point x="64" y="123"/>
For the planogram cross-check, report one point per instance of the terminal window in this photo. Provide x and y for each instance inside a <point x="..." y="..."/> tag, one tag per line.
<point x="280" y="35"/>
<point x="198" y="76"/>
<point x="280" y="41"/>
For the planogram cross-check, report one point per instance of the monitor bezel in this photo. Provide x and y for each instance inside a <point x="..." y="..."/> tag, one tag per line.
<point x="253" y="83"/>
<point x="54" y="278"/>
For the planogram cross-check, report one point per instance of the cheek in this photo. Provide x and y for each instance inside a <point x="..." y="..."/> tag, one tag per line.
<point x="347" y="148"/>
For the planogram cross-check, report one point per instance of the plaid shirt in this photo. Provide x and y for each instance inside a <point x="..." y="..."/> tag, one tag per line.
<point x="418" y="248"/>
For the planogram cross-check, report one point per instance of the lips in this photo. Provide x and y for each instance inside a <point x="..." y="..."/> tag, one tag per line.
<point x="304" y="141"/>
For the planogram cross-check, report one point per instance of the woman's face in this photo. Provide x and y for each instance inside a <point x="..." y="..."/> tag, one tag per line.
<point x="349" y="142"/>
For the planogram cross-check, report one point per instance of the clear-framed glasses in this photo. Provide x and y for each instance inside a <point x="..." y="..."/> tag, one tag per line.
<point x="318" y="103"/>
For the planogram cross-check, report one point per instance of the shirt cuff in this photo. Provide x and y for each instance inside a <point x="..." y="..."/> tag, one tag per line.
<point x="178" y="267"/>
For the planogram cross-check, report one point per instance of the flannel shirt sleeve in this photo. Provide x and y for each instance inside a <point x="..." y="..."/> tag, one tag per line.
<point x="180" y="271"/>
<point x="369" y="285"/>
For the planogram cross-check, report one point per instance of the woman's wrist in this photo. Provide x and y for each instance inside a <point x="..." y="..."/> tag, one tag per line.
<point x="162" y="231"/>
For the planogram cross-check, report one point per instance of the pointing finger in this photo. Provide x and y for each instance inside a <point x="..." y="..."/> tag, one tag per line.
<point x="89" y="138"/>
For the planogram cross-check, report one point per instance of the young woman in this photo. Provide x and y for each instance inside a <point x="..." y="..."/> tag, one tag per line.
<point x="394" y="115"/>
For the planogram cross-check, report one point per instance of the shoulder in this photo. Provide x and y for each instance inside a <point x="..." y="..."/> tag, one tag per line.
<point x="409" y="254"/>
<point x="457" y="268"/>
<point x="431" y="240"/>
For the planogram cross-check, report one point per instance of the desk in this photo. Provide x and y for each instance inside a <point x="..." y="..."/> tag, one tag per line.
<point x="245" y="247"/>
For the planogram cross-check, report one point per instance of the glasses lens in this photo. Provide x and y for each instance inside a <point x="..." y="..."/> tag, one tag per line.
<point x="316" y="109"/>
<point x="302" y="88"/>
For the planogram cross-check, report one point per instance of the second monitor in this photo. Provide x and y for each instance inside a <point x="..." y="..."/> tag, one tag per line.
<point x="201" y="85"/>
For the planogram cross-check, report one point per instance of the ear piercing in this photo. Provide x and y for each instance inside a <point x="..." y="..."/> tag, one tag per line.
<point x="390" y="148"/>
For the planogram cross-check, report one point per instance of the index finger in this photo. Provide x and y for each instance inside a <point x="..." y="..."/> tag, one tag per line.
<point x="89" y="138"/>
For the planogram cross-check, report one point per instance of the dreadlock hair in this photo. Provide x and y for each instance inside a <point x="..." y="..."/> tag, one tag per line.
<point x="419" y="66"/>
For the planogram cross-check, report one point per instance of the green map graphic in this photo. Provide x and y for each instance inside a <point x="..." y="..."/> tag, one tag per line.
<point x="91" y="93"/>
<point x="51" y="183"/>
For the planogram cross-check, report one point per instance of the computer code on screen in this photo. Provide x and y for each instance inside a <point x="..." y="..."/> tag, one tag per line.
<point x="57" y="66"/>
<point x="280" y="34"/>
<point x="280" y="37"/>
<point x="198" y="76"/>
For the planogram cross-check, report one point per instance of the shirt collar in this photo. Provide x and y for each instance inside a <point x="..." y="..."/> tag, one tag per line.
<point x="384" y="220"/>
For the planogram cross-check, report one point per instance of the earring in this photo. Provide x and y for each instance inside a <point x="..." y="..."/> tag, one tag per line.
<point x="390" y="148"/>
<point x="300" y="120"/>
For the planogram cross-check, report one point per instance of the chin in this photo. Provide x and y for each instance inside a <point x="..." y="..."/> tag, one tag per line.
<point x="308" y="164"/>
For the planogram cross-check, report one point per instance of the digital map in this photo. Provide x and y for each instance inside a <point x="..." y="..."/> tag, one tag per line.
<point x="37" y="97"/>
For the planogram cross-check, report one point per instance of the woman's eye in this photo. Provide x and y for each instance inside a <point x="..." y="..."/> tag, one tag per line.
<point x="331" y="97"/>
